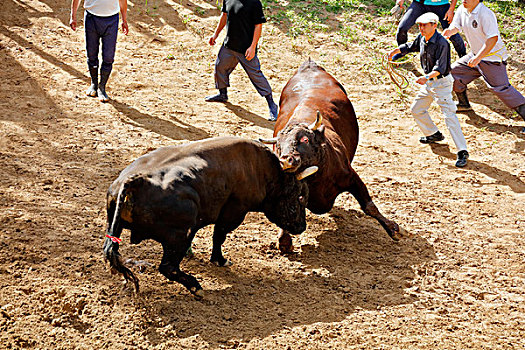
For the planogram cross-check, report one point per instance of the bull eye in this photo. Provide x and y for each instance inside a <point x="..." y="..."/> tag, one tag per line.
<point x="304" y="139"/>
<point x="301" y="199"/>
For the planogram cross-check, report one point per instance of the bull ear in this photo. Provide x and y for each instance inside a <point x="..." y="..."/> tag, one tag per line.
<point x="271" y="141"/>
<point x="306" y="172"/>
<point x="317" y="122"/>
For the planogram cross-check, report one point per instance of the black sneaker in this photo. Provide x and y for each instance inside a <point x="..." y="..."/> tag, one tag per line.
<point x="462" y="159"/>
<point x="217" y="98"/>
<point x="437" y="136"/>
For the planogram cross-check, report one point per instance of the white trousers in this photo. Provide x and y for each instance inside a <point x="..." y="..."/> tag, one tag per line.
<point x="441" y="91"/>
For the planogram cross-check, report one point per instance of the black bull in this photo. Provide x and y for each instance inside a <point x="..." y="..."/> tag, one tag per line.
<point x="169" y="194"/>
<point x="317" y="126"/>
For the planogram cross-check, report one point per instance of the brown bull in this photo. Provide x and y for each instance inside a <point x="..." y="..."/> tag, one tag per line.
<point x="317" y="125"/>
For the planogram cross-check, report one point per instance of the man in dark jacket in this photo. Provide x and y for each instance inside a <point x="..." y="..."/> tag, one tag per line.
<point x="436" y="84"/>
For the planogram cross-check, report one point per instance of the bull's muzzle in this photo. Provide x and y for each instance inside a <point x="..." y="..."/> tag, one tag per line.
<point x="290" y="162"/>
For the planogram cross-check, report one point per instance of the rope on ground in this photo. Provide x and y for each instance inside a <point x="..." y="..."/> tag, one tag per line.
<point x="397" y="78"/>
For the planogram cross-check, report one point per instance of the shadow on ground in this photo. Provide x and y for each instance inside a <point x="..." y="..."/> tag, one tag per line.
<point x="249" y="116"/>
<point x="502" y="177"/>
<point x="354" y="265"/>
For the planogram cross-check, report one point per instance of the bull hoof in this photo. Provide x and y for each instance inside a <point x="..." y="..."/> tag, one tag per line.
<point x="396" y="233"/>
<point x="286" y="246"/>
<point x="197" y="293"/>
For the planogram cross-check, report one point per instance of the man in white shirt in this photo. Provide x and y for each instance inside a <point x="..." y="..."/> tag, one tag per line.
<point x="101" y="25"/>
<point x="488" y="56"/>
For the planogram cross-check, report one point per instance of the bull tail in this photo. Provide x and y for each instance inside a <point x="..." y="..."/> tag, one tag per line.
<point x="111" y="244"/>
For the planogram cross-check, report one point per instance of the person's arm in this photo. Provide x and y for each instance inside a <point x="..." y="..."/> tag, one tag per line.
<point x="73" y="17"/>
<point x="406" y="48"/>
<point x="455" y="25"/>
<point x="250" y="53"/>
<point x="400" y="3"/>
<point x="423" y="79"/>
<point x="449" y="16"/>
<point x="124" y="12"/>
<point x="447" y="33"/>
<point x="485" y="50"/>
<point x="220" y="26"/>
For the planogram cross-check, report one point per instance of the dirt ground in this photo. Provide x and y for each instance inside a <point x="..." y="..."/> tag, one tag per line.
<point x="456" y="281"/>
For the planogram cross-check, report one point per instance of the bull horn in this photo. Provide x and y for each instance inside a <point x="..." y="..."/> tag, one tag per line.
<point x="317" y="122"/>
<point x="306" y="172"/>
<point x="271" y="141"/>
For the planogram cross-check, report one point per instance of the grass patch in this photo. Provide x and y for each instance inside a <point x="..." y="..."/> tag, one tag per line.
<point x="346" y="18"/>
<point x="511" y="21"/>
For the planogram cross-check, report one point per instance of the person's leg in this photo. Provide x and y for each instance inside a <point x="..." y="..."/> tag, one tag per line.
<point x="409" y="18"/>
<point x="253" y="69"/>
<point x="456" y="39"/>
<point x="463" y="75"/>
<point x="92" y="46"/>
<point x="495" y="75"/>
<point x="109" y="46"/>
<point x="443" y="92"/>
<point x="419" y="111"/>
<point x="224" y="65"/>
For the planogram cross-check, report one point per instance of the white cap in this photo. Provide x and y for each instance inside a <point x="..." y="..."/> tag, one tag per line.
<point x="428" y="17"/>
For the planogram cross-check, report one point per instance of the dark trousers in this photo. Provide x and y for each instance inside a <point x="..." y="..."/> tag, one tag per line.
<point x="414" y="11"/>
<point x="226" y="62"/>
<point x="101" y="29"/>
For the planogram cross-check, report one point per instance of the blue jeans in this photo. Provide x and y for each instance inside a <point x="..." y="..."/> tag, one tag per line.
<point x="415" y="10"/>
<point x="101" y="29"/>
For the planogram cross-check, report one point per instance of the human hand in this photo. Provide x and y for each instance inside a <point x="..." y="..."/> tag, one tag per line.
<point x="474" y="61"/>
<point x="396" y="11"/>
<point x="73" y="23"/>
<point x="447" y="33"/>
<point x="250" y="53"/>
<point x="125" y="28"/>
<point x="392" y="53"/>
<point x="421" y="80"/>
<point x="212" y="40"/>
<point x="449" y="16"/>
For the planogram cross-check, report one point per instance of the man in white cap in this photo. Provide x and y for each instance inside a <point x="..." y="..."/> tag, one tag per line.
<point x="488" y="58"/>
<point x="436" y="84"/>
